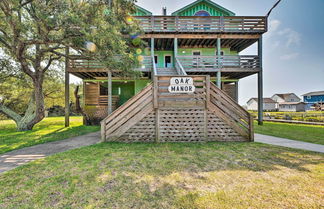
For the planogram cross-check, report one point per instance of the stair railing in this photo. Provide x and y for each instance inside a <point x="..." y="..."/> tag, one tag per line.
<point x="179" y="68"/>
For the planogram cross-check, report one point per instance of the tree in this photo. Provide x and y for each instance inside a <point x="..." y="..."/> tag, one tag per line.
<point x="35" y="33"/>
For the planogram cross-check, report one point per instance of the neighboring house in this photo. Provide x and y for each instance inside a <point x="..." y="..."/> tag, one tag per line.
<point x="268" y="104"/>
<point x="288" y="102"/>
<point x="313" y="98"/>
<point x="291" y="107"/>
<point x="288" y="97"/>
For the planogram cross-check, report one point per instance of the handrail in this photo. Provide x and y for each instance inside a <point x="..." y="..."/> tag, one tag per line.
<point x="236" y="24"/>
<point x="179" y="67"/>
<point x="225" y="61"/>
<point x="243" y="119"/>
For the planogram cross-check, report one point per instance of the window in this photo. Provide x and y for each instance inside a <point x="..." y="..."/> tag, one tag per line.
<point x="196" y="59"/>
<point x="103" y="88"/>
<point x="202" y="13"/>
<point x="156" y="59"/>
<point x="196" y="53"/>
<point x="221" y="53"/>
<point x="309" y="97"/>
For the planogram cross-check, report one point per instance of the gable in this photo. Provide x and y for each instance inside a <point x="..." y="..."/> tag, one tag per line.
<point x="203" y="5"/>
<point x="140" y="11"/>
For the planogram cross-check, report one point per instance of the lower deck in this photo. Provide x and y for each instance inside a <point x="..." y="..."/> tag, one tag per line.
<point x="95" y="94"/>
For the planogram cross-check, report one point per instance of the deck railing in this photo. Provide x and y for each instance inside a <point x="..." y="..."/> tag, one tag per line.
<point x="194" y="63"/>
<point x="233" y="24"/>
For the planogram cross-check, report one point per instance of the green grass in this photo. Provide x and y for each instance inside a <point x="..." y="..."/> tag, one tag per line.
<point x="306" y="133"/>
<point x="49" y="129"/>
<point x="178" y="175"/>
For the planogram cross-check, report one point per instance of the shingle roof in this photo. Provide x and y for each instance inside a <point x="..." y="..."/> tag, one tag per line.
<point x="265" y="100"/>
<point x="314" y="93"/>
<point x="284" y="96"/>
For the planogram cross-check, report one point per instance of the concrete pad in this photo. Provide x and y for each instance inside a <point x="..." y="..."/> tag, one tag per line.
<point x="288" y="143"/>
<point x="13" y="159"/>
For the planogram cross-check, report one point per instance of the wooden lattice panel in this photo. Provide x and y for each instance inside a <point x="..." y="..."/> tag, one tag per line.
<point x="218" y="130"/>
<point x="181" y="125"/>
<point x="143" y="131"/>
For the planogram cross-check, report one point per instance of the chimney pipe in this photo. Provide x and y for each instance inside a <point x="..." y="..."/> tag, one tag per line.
<point x="164" y="11"/>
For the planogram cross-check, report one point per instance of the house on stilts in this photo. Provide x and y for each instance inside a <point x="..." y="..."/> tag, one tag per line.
<point x="188" y="90"/>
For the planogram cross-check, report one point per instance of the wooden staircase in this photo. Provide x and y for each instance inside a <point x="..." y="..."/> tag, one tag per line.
<point x="155" y="115"/>
<point x="166" y="71"/>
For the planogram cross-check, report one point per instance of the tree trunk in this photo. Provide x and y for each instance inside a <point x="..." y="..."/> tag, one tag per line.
<point x="35" y="111"/>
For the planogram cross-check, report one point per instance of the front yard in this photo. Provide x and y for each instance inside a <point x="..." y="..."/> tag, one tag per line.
<point x="178" y="175"/>
<point x="306" y="133"/>
<point x="49" y="129"/>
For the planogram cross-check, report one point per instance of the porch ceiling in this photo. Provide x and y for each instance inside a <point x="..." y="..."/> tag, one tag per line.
<point x="233" y="44"/>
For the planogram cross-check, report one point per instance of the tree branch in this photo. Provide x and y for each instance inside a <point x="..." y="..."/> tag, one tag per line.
<point x="10" y="113"/>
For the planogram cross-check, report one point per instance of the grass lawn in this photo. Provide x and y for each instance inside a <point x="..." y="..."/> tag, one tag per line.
<point x="179" y="175"/>
<point x="306" y="133"/>
<point x="50" y="129"/>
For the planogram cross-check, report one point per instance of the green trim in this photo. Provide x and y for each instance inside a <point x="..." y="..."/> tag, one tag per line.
<point x="140" y="11"/>
<point x="230" y="13"/>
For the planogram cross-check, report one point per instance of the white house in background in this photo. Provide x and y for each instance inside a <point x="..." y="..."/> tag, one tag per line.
<point x="268" y="104"/>
<point x="288" y="102"/>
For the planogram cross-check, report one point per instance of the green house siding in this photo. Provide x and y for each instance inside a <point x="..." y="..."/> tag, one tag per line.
<point x="187" y="52"/>
<point x="140" y="84"/>
<point x="203" y="5"/>
<point x="161" y="55"/>
<point x="204" y="51"/>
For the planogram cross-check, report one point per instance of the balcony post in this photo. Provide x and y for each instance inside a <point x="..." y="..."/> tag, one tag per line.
<point x="219" y="85"/>
<point x="67" y="89"/>
<point x="175" y="51"/>
<point x="152" y="55"/>
<point x="109" y="93"/>
<point x="260" y="84"/>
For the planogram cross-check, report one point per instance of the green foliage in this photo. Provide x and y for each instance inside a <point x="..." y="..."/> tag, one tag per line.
<point x="311" y="116"/>
<point x="34" y="35"/>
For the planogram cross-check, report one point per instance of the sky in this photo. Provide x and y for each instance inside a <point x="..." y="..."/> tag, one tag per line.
<point x="293" y="54"/>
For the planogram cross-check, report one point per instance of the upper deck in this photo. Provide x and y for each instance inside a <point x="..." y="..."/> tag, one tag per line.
<point x="204" y="24"/>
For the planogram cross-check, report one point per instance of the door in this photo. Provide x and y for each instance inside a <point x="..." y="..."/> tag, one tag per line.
<point x="196" y="58"/>
<point x="167" y="61"/>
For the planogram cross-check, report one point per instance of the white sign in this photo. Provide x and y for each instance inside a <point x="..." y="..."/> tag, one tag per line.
<point x="181" y="85"/>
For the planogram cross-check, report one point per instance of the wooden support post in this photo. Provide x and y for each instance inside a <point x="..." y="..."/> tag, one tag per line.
<point x="219" y="63"/>
<point x="152" y="55"/>
<point x="152" y="46"/>
<point x="109" y="93"/>
<point x="236" y="91"/>
<point x="260" y="84"/>
<point x="157" y="125"/>
<point x="67" y="89"/>
<point x="251" y="129"/>
<point x="175" y="52"/>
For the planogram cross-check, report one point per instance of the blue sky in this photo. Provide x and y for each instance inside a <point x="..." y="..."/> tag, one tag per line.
<point x="293" y="54"/>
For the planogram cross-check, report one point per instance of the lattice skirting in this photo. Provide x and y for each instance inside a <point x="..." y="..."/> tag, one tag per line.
<point x="181" y="125"/>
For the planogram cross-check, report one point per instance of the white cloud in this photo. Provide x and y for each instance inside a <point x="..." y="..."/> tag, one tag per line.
<point x="293" y="37"/>
<point x="289" y="56"/>
<point x="273" y="27"/>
